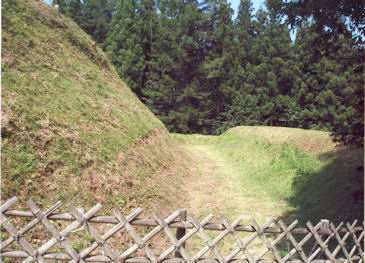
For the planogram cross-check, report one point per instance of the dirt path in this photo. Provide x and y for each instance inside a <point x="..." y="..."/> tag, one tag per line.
<point x="219" y="187"/>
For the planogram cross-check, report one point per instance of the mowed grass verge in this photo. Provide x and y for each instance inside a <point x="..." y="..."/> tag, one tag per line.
<point x="302" y="173"/>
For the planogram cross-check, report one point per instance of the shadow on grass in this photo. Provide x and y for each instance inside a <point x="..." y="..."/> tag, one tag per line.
<point x="336" y="192"/>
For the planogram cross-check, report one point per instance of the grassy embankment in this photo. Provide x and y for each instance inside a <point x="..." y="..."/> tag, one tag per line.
<point x="281" y="172"/>
<point x="263" y="172"/>
<point x="71" y="129"/>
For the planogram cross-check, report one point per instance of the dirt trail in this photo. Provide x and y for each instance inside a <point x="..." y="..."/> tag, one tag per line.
<point x="218" y="187"/>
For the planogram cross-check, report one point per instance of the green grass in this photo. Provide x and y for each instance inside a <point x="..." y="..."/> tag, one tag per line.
<point x="300" y="174"/>
<point x="305" y="168"/>
<point x="70" y="123"/>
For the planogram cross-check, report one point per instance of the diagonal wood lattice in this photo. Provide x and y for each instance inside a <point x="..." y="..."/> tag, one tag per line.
<point x="323" y="242"/>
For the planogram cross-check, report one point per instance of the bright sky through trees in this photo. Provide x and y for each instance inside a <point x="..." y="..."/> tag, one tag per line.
<point x="256" y="4"/>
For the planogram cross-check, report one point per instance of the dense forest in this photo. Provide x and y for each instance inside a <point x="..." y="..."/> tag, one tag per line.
<point x="202" y="71"/>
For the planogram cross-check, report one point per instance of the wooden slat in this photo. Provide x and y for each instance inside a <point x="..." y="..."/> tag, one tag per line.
<point x="131" y="231"/>
<point x="322" y="235"/>
<point x="239" y="242"/>
<point x="320" y="242"/>
<point x="31" y="251"/>
<point x="42" y="217"/>
<point x="174" y="224"/>
<point x="73" y="226"/>
<point x="356" y="240"/>
<point x="171" y="236"/>
<point x="150" y="235"/>
<point x="207" y="240"/>
<point x="341" y="242"/>
<point x="186" y="237"/>
<point x="5" y="206"/>
<point x="29" y="226"/>
<point x="92" y="231"/>
<point x="110" y="233"/>
<point x="101" y="258"/>
<point x="290" y="236"/>
<point x="270" y="247"/>
<point x="180" y="232"/>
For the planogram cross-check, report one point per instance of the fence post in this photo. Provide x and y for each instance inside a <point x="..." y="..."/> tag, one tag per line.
<point x="325" y="227"/>
<point x="180" y="232"/>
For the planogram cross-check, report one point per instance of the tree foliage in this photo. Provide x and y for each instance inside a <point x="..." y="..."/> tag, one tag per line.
<point x="201" y="71"/>
<point x="329" y="14"/>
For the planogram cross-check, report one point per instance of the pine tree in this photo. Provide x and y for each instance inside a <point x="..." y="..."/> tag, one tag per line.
<point x="331" y="93"/>
<point x="217" y="66"/>
<point x="97" y="14"/>
<point x="192" y="111"/>
<point x="160" y="91"/>
<point x="239" y="110"/>
<point x="61" y="5"/>
<point x="125" y="45"/>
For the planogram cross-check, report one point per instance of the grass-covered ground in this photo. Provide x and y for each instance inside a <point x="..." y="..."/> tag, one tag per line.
<point x="276" y="172"/>
<point x="71" y="128"/>
<point x="73" y="131"/>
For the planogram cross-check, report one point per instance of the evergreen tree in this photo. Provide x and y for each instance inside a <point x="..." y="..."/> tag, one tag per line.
<point x="270" y="70"/>
<point x="97" y="14"/>
<point x="219" y="36"/>
<point x="192" y="111"/>
<point x="125" y="44"/>
<point x="61" y="4"/>
<point x="93" y="16"/>
<point x="200" y="72"/>
<point x="331" y="91"/>
<point x="75" y="11"/>
<point x="239" y="111"/>
<point x="160" y="92"/>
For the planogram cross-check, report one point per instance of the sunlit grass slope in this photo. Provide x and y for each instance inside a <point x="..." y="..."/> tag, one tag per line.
<point x="71" y="129"/>
<point x="305" y="169"/>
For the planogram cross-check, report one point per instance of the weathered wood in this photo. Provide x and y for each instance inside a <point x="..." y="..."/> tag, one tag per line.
<point x="320" y="242"/>
<point x="206" y="239"/>
<point x="357" y="241"/>
<point x="92" y="231"/>
<point x="29" y="226"/>
<point x="60" y="238"/>
<point x="269" y="246"/>
<point x="135" y="236"/>
<point x="174" y="224"/>
<point x="297" y="247"/>
<point x="101" y="258"/>
<point x="180" y="232"/>
<point x="323" y="233"/>
<point x="239" y="242"/>
<point x="8" y="204"/>
<point x="111" y="232"/>
<point x="341" y="242"/>
<point x="171" y="236"/>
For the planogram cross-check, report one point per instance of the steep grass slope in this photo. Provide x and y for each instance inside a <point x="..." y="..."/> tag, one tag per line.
<point x="71" y="129"/>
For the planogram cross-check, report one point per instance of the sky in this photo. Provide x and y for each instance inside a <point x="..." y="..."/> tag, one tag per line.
<point x="256" y="4"/>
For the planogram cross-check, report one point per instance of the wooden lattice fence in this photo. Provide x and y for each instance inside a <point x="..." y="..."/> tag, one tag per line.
<point x="193" y="240"/>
